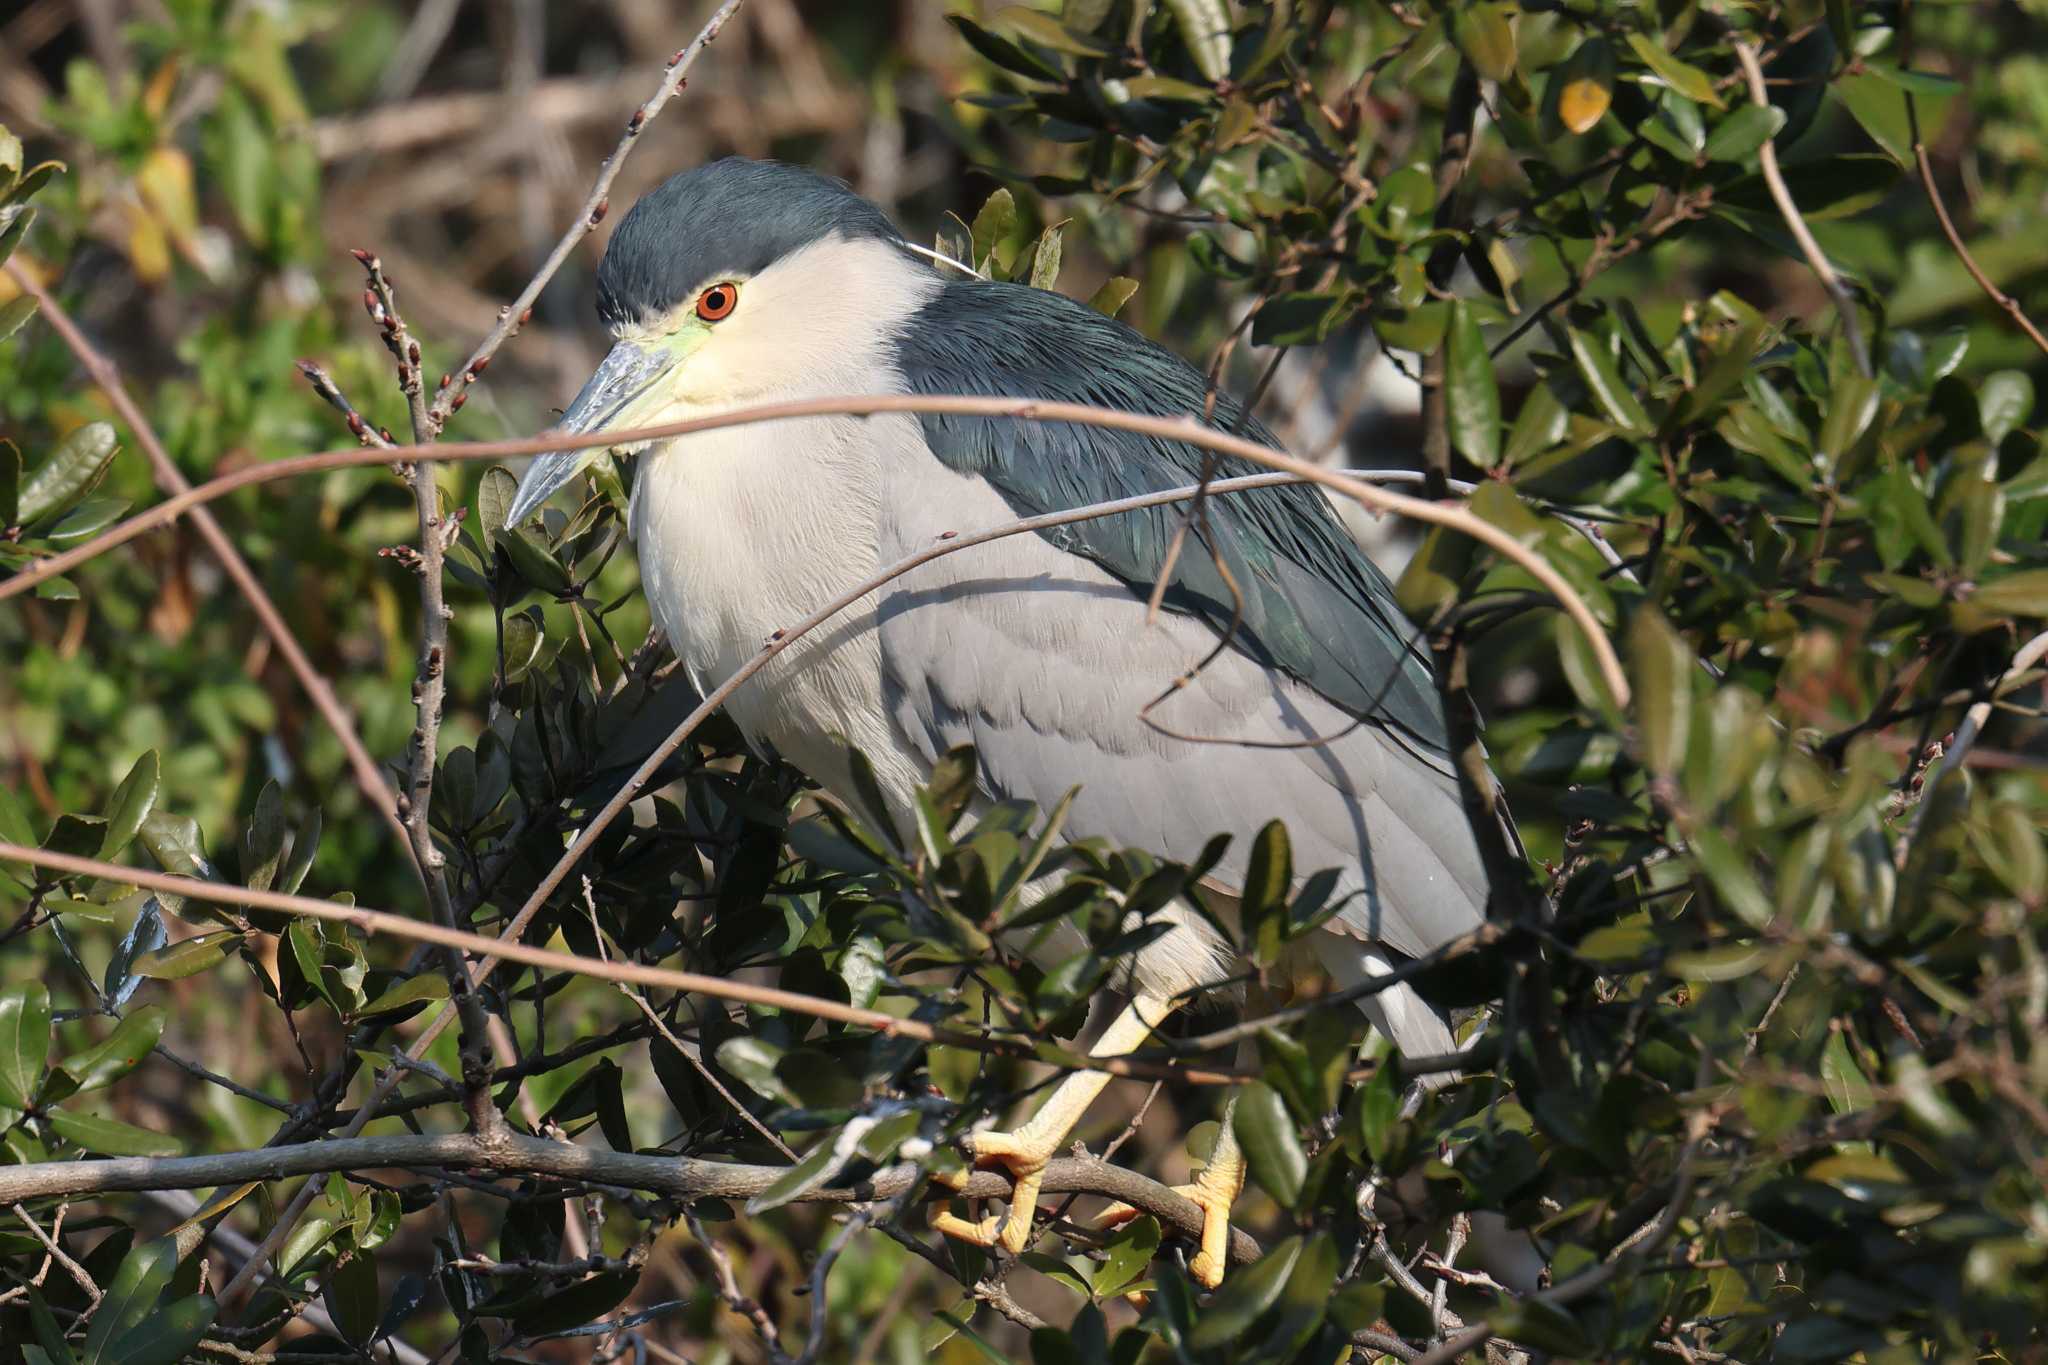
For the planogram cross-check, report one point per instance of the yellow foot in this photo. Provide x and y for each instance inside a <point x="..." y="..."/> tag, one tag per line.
<point x="1025" y="1159"/>
<point x="1216" y="1190"/>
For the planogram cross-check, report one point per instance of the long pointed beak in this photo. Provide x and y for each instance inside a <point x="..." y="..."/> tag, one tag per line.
<point x="629" y="371"/>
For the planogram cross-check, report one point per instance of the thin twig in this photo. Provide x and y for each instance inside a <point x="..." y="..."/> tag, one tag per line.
<point x="1998" y="296"/>
<point x="1454" y="516"/>
<point x="107" y="377"/>
<point x="491" y="952"/>
<point x="1966" y="734"/>
<point x="595" y="206"/>
<point x="57" y="1253"/>
<point x="689" y="1051"/>
<point x="1767" y="162"/>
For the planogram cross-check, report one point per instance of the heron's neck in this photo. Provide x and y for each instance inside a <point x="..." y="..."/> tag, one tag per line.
<point x="742" y="531"/>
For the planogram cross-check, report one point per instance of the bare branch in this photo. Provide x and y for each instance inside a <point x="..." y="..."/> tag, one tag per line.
<point x="494" y="951"/>
<point x="1767" y="162"/>
<point x="107" y="377"/>
<point x="595" y="205"/>
<point x="1452" y="515"/>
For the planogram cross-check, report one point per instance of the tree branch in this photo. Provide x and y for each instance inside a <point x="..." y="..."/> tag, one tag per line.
<point x="1767" y="162"/>
<point x="517" y="1154"/>
<point x="595" y="205"/>
<point x="1184" y="429"/>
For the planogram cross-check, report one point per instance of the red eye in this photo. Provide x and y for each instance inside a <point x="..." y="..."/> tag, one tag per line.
<point x="718" y="301"/>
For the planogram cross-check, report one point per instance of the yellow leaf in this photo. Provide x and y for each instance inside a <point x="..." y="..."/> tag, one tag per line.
<point x="156" y="96"/>
<point x="149" y="251"/>
<point x="1583" y="103"/>
<point x="165" y="184"/>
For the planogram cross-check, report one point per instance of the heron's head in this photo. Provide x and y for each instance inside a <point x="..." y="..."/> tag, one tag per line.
<point x="718" y="287"/>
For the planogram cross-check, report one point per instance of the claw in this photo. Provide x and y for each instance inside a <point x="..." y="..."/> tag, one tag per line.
<point x="1011" y="1229"/>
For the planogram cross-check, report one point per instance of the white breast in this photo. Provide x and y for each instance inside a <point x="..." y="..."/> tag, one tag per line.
<point x="745" y="531"/>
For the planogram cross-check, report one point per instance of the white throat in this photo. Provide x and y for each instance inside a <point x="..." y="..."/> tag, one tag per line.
<point x="746" y="530"/>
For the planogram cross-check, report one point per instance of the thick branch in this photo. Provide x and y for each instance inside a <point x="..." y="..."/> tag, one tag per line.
<point x="517" y="1154"/>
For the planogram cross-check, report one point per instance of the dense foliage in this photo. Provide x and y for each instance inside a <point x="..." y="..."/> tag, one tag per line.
<point x="1762" y="1009"/>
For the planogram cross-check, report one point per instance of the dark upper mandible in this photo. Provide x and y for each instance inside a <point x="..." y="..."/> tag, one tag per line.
<point x="729" y="219"/>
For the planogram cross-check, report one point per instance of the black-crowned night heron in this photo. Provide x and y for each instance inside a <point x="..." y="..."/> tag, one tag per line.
<point x="748" y="282"/>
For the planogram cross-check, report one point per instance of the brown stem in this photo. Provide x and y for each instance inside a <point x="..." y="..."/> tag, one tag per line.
<point x="1184" y="429"/>
<point x="108" y="379"/>
<point x="1767" y="162"/>
<point x="595" y="205"/>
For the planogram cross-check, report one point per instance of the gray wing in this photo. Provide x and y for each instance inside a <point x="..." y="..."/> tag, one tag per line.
<point x="1035" y="649"/>
<point x="1313" y="604"/>
<point x="1042" y="660"/>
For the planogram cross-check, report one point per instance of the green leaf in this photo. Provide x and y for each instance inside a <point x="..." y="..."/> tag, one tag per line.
<point x="2004" y="402"/>
<point x="819" y="1165"/>
<point x="1045" y="261"/>
<point x="1733" y="879"/>
<point x="1687" y="79"/>
<point x="131" y="804"/>
<point x="577" y="1304"/>
<point x="10" y="483"/>
<point x="427" y="985"/>
<point x="1127" y="1257"/>
<point x="991" y="231"/>
<point x="1004" y="53"/>
<point x="1295" y="319"/>
<point x="168" y="1336"/>
<point x="88" y="518"/>
<point x="1269" y="876"/>
<point x="121" y="1052"/>
<point x="1737" y="137"/>
<point x="533" y="562"/>
<point x="494" y="494"/>
<point x="111" y="1136"/>
<point x="263" y="838"/>
<point x="1876" y="98"/>
<point x="1837" y="187"/>
<point x="351" y="1297"/>
<point x="1661" y="669"/>
<point x="1047" y="31"/>
<point x="1485" y="34"/>
<point x="1471" y="394"/>
<point x="15" y="231"/>
<point x="1603" y="379"/>
<point x="129" y="1298"/>
<point x="24" y="1041"/>
<point x="13" y="314"/>
<point x="56" y="1350"/>
<point x="188" y="956"/>
<point x="1205" y="29"/>
<point x="59" y="482"/>
<point x="1114" y="294"/>
<point x="1245" y="1297"/>
<point x="1272" y="1147"/>
<point x="1852" y="404"/>
<point x="2016" y="594"/>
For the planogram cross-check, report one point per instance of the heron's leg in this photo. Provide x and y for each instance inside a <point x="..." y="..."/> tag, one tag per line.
<point x="1026" y="1150"/>
<point x="1216" y="1189"/>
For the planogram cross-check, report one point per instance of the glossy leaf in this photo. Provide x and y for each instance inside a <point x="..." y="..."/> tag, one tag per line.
<point x="67" y="474"/>
<point x="24" y="1041"/>
<point x="1471" y="393"/>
